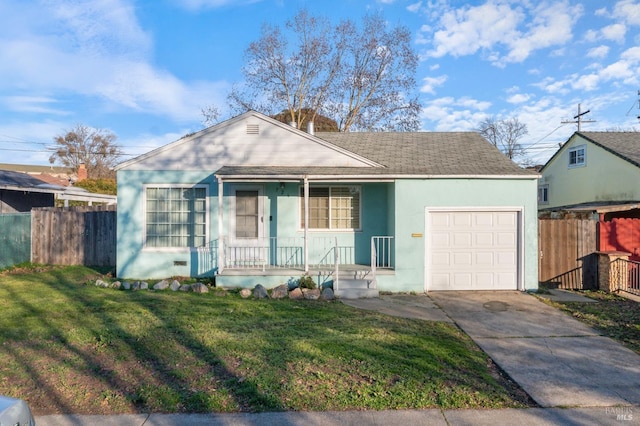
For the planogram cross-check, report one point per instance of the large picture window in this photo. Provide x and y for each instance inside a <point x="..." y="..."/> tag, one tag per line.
<point x="335" y="207"/>
<point x="176" y="216"/>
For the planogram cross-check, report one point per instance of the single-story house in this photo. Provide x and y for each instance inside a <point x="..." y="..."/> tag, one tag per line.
<point x="252" y="200"/>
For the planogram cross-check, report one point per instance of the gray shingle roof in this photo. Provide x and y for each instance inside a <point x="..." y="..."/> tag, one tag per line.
<point x="622" y="144"/>
<point x="18" y="179"/>
<point x="428" y="153"/>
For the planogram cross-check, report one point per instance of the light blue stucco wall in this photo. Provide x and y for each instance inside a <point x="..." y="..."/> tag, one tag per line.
<point x="281" y="219"/>
<point x="135" y="261"/>
<point x="393" y="209"/>
<point x="412" y="197"/>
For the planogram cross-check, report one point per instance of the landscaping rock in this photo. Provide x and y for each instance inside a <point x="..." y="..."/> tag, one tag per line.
<point x="140" y="285"/>
<point x="162" y="285"/>
<point x="199" y="288"/>
<point x="245" y="293"/>
<point x="116" y="285"/>
<point x="280" y="292"/>
<point x="100" y="283"/>
<point x="311" y="293"/>
<point x="126" y="285"/>
<point x="185" y="287"/>
<point x="175" y="285"/>
<point x="327" y="294"/>
<point x="259" y="292"/>
<point x="296" y="294"/>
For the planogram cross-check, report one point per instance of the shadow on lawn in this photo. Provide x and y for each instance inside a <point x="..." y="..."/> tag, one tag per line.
<point x="90" y="362"/>
<point x="170" y="363"/>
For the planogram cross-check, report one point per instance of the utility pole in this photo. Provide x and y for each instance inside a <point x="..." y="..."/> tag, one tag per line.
<point x="578" y="118"/>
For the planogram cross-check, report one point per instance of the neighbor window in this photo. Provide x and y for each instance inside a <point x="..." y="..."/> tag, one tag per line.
<point x="577" y="156"/>
<point x="543" y="194"/>
<point x="176" y="216"/>
<point x="335" y="207"/>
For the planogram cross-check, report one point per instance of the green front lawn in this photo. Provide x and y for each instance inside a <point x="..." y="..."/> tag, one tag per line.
<point x="613" y="316"/>
<point x="67" y="346"/>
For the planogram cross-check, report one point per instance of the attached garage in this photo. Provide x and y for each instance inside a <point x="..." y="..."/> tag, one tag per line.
<point x="473" y="249"/>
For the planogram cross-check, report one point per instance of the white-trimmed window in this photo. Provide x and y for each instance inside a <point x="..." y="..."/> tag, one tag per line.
<point x="176" y="216"/>
<point x="543" y="194"/>
<point x="332" y="207"/>
<point x="577" y="156"/>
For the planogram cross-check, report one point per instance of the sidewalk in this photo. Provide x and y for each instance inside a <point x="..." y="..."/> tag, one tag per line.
<point x="529" y="416"/>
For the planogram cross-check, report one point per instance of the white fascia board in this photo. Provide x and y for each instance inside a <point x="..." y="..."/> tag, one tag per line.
<point x="359" y="178"/>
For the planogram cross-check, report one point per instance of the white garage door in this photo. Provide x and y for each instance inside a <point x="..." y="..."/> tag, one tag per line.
<point x="472" y="250"/>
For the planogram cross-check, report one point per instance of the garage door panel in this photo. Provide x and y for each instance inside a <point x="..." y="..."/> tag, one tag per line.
<point x="462" y="239"/>
<point x="485" y="259"/>
<point x="484" y="219"/>
<point x="504" y="239"/>
<point x="485" y="239"/>
<point x="462" y="259"/>
<point x="475" y="250"/>
<point x="461" y="219"/>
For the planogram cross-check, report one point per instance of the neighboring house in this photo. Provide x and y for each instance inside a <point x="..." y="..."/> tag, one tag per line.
<point x="20" y="192"/>
<point x="253" y="200"/>
<point x="592" y="169"/>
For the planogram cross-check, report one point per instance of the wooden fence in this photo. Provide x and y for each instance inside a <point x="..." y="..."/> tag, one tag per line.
<point x="74" y="235"/>
<point x="565" y="257"/>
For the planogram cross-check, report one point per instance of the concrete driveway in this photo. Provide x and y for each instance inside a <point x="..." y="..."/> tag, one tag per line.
<point x="556" y="359"/>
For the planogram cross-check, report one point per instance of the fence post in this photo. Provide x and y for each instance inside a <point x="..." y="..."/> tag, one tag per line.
<point x="612" y="270"/>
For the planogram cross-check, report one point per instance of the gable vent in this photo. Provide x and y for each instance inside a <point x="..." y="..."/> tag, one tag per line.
<point x="253" y="129"/>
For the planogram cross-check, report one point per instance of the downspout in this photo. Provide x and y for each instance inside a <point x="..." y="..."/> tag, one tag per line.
<point x="221" y="247"/>
<point x="306" y="225"/>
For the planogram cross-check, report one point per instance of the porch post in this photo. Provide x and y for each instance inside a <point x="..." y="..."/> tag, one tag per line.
<point x="221" y="247"/>
<point x="306" y="225"/>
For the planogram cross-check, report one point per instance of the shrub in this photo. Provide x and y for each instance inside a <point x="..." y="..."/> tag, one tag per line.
<point x="306" y="281"/>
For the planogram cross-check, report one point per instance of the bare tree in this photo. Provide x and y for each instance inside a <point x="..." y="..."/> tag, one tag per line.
<point x="210" y="115"/>
<point x="95" y="148"/>
<point x="360" y="76"/>
<point x="505" y="135"/>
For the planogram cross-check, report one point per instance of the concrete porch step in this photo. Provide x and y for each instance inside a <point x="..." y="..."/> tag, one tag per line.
<point x="351" y="288"/>
<point x="356" y="293"/>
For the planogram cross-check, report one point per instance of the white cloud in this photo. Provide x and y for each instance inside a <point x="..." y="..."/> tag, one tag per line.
<point x="451" y="114"/>
<point x="632" y="54"/>
<point x="507" y="32"/>
<point x="518" y="98"/>
<point x="586" y="82"/>
<point x="614" y="32"/>
<point x="430" y="83"/>
<point x="469" y="29"/>
<point x="93" y="49"/>
<point x="33" y="104"/>
<point x="415" y="7"/>
<point x="628" y="10"/>
<point x="598" y="52"/>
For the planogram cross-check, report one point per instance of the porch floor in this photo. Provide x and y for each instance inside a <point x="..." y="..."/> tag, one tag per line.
<point x="313" y="270"/>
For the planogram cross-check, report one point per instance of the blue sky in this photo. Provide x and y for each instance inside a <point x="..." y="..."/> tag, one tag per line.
<point x="145" y="69"/>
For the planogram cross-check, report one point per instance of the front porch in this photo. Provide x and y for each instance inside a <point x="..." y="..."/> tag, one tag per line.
<point x="282" y="260"/>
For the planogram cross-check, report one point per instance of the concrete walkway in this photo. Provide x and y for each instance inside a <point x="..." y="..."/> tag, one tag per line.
<point x="531" y="416"/>
<point x="557" y="360"/>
